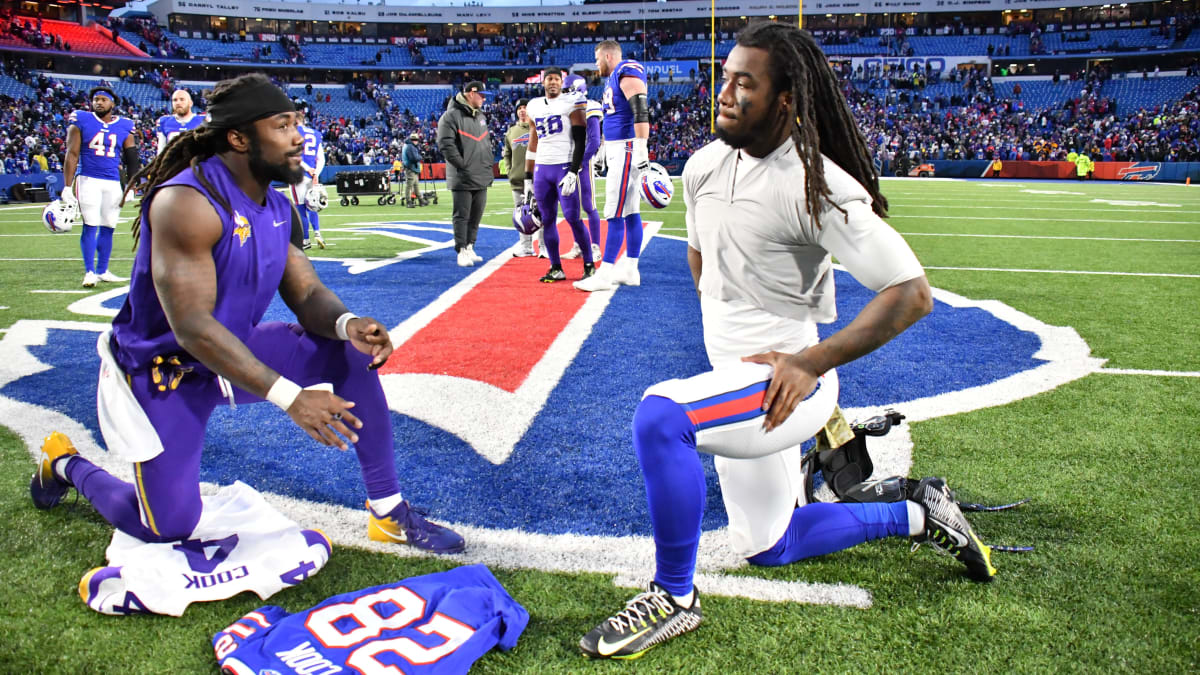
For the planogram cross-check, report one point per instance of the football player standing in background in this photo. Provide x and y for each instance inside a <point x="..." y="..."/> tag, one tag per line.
<point x="626" y="134"/>
<point x="312" y="160"/>
<point x="759" y="250"/>
<point x="109" y="139"/>
<point x="217" y="244"/>
<point x="587" y="178"/>
<point x="554" y="159"/>
<point x="516" y="142"/>
<point x="180" y="120"/>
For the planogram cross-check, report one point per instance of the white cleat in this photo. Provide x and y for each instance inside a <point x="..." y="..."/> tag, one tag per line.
<point x="597" y="254"/>
<point x="110" y="277"/>
<point x="627" y="273"/>
<point x="90" y="279"/>
<point x="597" y="282"/>
<point x="465" y="259"/>
<point x="574" y="253"/>
<point x="475" y="257"/>
<point x="317" y="238"/>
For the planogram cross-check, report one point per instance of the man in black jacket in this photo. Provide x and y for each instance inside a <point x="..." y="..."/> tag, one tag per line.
<point x="465" y="142"/>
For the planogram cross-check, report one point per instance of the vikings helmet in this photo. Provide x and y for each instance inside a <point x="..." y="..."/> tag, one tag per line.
<point x="60" y="216"/>
<point x="657" y="188"/>
<point x="526" y="220"/>
<point x="576" y="84"/>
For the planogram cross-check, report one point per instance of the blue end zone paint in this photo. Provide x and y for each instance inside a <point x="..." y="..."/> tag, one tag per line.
<point x="575" y="470"/>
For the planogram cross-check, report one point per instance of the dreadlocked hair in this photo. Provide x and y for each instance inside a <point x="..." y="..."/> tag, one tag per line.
<point x="823" y="122"/>
<point x="190" y="148"/>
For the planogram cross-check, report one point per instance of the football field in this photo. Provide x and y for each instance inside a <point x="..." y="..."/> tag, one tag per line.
<point x="1108" y="454"/>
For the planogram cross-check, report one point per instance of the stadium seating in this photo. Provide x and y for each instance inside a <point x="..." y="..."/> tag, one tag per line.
<point x="347" y="54"/>
<point x="84" y="40"/>
<point x="14" y="89"/>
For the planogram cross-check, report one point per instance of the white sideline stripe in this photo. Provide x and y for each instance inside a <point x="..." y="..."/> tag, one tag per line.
<point x="1113" y="274"/>
<point x="1057" y="220"/>
<point x="58" y="291"/>
<point x="980" y="207"/>
<point x="1040" y="236"/>
<point x="1157" y="373"/>
<point x="51" y="259"/>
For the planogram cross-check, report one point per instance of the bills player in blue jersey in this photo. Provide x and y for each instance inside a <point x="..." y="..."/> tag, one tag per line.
<point x="788" y="185"/>
<point x="180" y="120"/>
<point x="190" y="334"/>
<point x="577" y="84"/>
<point x="555" y="159"/>
<point x="97" y="142"/>
<point x="312" y="160"/>
<point x="626" y="133"/>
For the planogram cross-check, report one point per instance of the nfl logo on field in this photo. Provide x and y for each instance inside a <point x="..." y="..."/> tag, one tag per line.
<point x="657" y="188"/>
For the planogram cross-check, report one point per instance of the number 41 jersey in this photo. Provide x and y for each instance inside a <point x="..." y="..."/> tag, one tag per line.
<point x="100" y="143"/>
<point x="436" y="623"/>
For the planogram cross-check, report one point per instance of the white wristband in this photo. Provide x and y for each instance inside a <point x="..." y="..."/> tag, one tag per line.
<point x="641" y="154"/>
<point x="530" y="156"/>
<point x="340" y="327"/>
<point x="283" y="393"/>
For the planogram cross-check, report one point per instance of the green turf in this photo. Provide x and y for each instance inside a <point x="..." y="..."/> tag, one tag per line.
<point x="1110" y="461"/>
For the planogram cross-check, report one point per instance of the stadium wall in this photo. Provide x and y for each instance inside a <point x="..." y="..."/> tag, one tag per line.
<point x="626" y="11"/>
<point x="1163" y="172"/>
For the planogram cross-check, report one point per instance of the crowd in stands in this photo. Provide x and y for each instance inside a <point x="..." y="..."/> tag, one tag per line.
<point x="30" y="31"/>
<point x="148" y="36"/>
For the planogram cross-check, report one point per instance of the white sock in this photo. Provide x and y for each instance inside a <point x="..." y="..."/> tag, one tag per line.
<point x="632" y="263"/>
<point x="916" y="518"/>
<point x="685" y="601"/>
<point x="384" y="506"/>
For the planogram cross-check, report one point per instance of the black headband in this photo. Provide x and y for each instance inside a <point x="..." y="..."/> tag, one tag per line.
<point x="253" y="103"/>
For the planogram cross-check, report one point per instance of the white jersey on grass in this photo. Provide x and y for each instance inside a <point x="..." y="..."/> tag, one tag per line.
<point x="240" y="544"/>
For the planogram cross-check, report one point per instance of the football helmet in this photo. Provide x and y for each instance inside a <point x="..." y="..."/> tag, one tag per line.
<point x="576" y="84"/>
<point x="526" y="219"/>
<point x="60" y="216"/>
<point x="657" y="188"/>
<point x="317" y="197"/>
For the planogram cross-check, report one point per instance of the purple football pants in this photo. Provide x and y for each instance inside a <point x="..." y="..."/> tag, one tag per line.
<point x="545" y="190"/>
<point x="168" y="487"/>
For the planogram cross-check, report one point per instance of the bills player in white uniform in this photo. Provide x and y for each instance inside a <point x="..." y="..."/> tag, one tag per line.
<point x="626" y="133"/>
<point x="555" y="158"/>
<point x="97" y="142"/>
<point x="767" y="205"/>
<point x="313" y="162"/>
<point x="180" y="120"/>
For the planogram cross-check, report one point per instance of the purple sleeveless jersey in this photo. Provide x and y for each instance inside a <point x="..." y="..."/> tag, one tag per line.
<point x="249" y="260"/>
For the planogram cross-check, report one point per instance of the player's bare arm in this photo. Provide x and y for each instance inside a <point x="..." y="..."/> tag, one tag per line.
<point x="318" y="309"/>
<point x="695" y="264"/>
<point x="71" y="162"/>
<point x="887" y="315"/>
<point x="186" y="227"/>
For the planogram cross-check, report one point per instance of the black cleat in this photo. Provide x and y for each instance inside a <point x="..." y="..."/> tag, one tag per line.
<point x="947" y="529"/>
<point x="588" y="270"/>
<point x="649" y="619"/>
<point x="555" y="274"/>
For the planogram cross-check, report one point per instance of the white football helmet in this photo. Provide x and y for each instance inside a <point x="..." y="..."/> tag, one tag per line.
<point x="657" y="188"/>
<point x="60" y="216"/>
<point x="317" y="197"/>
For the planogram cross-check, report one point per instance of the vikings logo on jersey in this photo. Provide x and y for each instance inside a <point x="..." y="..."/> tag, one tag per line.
<point x="241" y="229"/>
<point x="500" y="420"/>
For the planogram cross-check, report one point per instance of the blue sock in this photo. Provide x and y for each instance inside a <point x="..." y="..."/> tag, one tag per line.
<point x="818" y="529"/>
<point x="87" y="244"/>
<point x="633" y="235"/>
<point x="314" y="219"/>
<point x="665" y="441"/>
<point x="104" y="249"/>
<point x="616" y="236"/>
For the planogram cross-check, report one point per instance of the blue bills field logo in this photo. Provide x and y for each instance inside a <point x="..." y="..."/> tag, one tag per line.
<point x="513" y="400"/>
